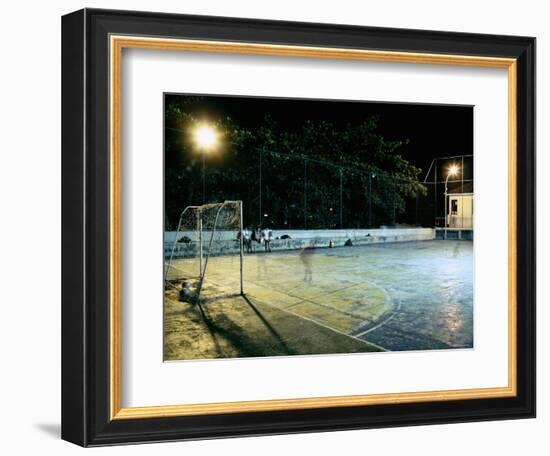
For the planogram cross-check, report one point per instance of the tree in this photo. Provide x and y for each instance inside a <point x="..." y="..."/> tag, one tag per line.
<point x="315" y="175"/>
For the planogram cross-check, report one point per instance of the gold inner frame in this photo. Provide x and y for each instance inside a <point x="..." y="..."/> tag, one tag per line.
<point x="117" y="44"/>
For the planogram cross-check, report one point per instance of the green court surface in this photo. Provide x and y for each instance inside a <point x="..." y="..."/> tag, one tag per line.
<point x="343" y="300"/>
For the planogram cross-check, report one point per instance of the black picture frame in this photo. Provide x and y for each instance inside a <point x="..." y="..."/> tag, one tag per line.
<point x="85" y="223"/>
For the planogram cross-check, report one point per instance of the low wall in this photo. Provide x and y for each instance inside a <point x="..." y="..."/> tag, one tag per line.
<point x="299" y="239"/>
<point x="466" y="234"/>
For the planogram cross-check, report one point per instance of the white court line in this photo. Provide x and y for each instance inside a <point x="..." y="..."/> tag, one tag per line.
<point x="323" y="325"/>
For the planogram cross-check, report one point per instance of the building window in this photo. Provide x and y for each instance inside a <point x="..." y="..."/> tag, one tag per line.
<point x="454" y="207"/>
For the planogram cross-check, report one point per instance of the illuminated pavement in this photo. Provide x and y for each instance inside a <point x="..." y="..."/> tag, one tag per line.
<point x="400" y="296"/>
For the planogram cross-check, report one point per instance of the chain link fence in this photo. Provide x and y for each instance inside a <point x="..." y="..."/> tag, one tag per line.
<point x="296" y="192"/>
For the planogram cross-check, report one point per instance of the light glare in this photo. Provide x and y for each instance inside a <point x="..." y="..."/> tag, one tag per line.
<point x="206" y="137"/>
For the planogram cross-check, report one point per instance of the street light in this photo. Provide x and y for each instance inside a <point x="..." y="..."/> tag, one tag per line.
<point x="452" y="171"/>
<point x="206" y="138"/>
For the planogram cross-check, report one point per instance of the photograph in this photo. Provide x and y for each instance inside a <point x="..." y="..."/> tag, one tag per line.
<point x="313" y="226"/>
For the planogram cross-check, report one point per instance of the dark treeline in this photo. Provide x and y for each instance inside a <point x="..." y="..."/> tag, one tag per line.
<point x="316" y="175"/>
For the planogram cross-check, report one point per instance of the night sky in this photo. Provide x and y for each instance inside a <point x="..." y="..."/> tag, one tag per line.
<point x="433" y="130"/>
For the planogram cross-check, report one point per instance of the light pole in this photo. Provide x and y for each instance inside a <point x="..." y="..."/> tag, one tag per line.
<point x="453" y="171"/>
<point x="206" y="138"/>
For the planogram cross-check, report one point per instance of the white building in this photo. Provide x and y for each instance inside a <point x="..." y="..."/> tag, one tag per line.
<point x="460" y="207"/>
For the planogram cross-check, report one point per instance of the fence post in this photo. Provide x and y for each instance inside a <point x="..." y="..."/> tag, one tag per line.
<point x="260" y="191"/>
<point x="393" y="205"/>
<point x="305" y="193"/>
<point x="341" y="200"/>
<point x="241" y="242"/>
<point x="435" y="192"/>
<point x="370" y="200"/>
<point x="416" y="209"/>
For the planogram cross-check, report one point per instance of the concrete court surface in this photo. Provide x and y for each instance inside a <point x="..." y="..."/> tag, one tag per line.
<point x="395" y="297"/>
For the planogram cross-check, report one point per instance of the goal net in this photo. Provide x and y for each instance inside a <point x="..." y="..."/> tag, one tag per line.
<point x="203" y="258"/>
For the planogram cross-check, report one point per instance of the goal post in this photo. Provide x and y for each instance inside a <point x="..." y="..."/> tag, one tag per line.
<point x="204" y="256"/>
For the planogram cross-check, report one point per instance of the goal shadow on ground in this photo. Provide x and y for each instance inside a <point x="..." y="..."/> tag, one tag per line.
<point x="244" y="326"/>
<point x="221" y="327"/>
<point x="270" y="328"/>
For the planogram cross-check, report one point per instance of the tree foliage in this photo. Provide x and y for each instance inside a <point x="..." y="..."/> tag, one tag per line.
<point x="313" y="175"/>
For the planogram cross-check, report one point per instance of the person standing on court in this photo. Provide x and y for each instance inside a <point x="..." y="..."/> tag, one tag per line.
<point x="247" y="241"/>
<point x="257" y="235"/>
<point x="267" y="235"/>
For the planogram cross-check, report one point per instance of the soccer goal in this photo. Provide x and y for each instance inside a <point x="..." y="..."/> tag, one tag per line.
<point x="203" y="259"/>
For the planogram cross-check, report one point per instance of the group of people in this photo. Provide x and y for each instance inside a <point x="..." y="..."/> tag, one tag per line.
<point x="261" y="236"/>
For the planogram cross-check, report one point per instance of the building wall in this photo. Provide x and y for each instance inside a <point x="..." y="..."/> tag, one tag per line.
<point x="464" y="215"/>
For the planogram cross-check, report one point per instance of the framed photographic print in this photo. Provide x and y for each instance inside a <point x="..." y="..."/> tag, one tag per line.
<point x="278" y="227"/>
